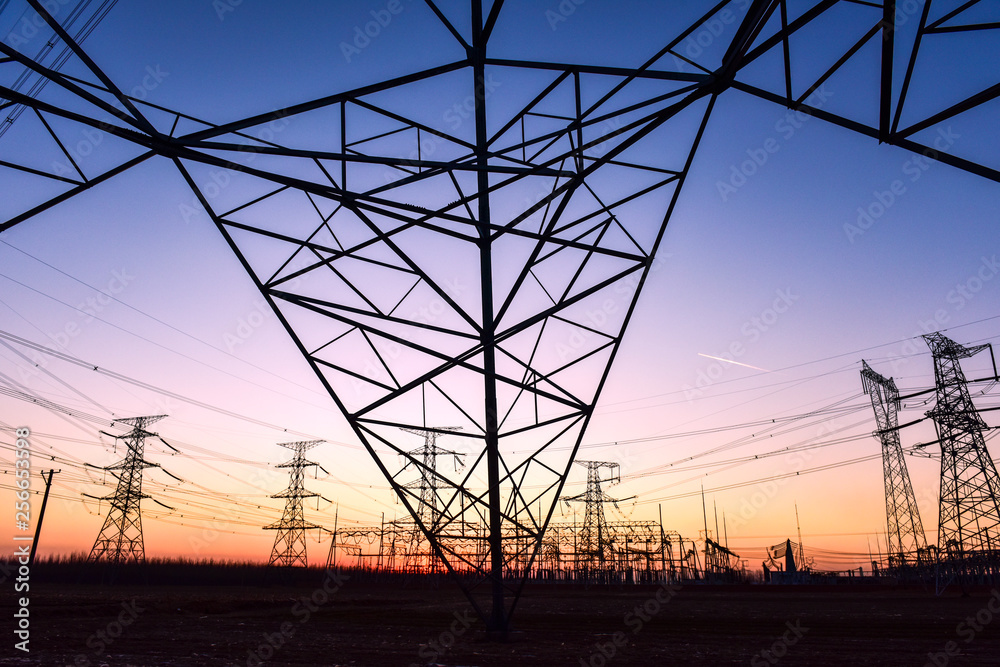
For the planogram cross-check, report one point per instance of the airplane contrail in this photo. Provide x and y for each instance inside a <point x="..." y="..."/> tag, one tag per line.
<point x="730" y="361"/>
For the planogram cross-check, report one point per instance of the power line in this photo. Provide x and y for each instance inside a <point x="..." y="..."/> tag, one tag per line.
<point x="139" y="383"/>
<point x="737" y="485"/>
<point x="158" y="320"/>
<point x="152" y="342"/>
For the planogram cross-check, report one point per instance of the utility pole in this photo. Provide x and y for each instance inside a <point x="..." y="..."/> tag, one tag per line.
<point x="331" y="556"/>
<point x="906" y="539"/>
<point x="41" y="514"/>
<point x="663" y="547"/>
<point x="798" y="529"/>
<point x="290" y="543"/>
<point x="969" y="514"/>
<point x="120" y="539"/>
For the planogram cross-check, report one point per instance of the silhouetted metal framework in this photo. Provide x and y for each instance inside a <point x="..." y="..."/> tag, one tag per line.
<point x="907" y="544"/>
<point x="120" y="539"/>
<point x="427" y="494"/>
<point x="721" y="564"/>
<point x="427" y="486"/>
<point x="595" y="540"/>
<point x="289" y="547"/>
<point x="638" y="552"/>
<point x="782" y="558"/>
<point x="969" y="516"/>
<point x="542" y="208"/>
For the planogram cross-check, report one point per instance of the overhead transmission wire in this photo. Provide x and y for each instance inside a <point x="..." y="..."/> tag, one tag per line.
<point x="774" y="425"/>
<point x="729" y="427"/>
<point x="665" y="468"/>
<point x="836" y="408"/>
<point x="214" y="348"/>
<point x="160" y="345"/>
<point x="160" y="321"/>
<point x="88" y="27"/>
<point x="770" y="478"/>
<point x="22" y="392"/>
<point x="730" y="465"/>
<point x="45" y="335"/>
<point x="821" y="468"/>
<point x="65" y="459"/>
<point x="57" y="379"/>
<point x="218" y="506"/>
<point x="786" y="450"/>
<point x="358" y="488"/>
<point x="799" y="365"/>
<point x="77" y="413"/>
<point x="774" y="421"/>
<point x="218" y="349"/>
<point x="68" y="358"/>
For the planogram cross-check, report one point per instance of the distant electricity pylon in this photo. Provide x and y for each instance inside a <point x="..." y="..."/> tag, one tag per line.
<point x="120" y="539"/>
<point x="594" y="544"/>
<point x="905" y="531"/>
<point x="428" y="488"/>
<point x="424" y="458"/>
<point x="290" y="542"/>
<point x="969" y="515"/>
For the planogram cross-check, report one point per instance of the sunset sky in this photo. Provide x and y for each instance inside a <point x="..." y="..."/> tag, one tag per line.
<point x="829" y="249"/>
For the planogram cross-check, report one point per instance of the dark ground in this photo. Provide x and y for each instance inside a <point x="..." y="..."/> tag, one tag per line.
<point x="368" y="624"/>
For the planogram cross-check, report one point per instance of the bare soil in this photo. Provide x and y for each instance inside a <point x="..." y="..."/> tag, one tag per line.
<point x="379" y="625"/>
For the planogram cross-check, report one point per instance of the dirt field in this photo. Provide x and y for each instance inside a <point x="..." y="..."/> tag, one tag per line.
<point x="373" y="625"/>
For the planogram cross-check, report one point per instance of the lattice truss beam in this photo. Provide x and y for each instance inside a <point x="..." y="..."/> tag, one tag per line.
<point x="905" y="530"/>
<point x="475" y="284"/>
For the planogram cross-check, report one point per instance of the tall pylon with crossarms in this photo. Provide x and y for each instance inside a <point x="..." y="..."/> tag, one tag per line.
<point x="595" y="538"/>
<point x="433" y="512"/>
<point x="290" y="543"/>
<point x="969" y="515"/>
<point x="120" y="539"/>
<point x="904" y="529"/>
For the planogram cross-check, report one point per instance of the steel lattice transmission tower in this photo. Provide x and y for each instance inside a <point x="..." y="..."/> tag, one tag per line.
<point x="595" y="539"/>
<point x="969" y="515"/>
<point x="547" y="201"/>
<point x="428" y="486"/>
<point x="120" y="539"/>
<point x="426" y="490"/>
<point x="290" y="543"/>
<point x="904" y="530"/>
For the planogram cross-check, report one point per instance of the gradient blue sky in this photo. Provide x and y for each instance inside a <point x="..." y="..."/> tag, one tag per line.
<point x="194" y="324"/>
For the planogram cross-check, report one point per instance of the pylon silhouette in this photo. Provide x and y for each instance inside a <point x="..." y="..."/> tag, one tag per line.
<point x="969" y="514"/>
<point x="594" y="544"/>
<point x="905" y="531"/>
<point x="290" y="543"/>
<point x="120" y="539"/>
